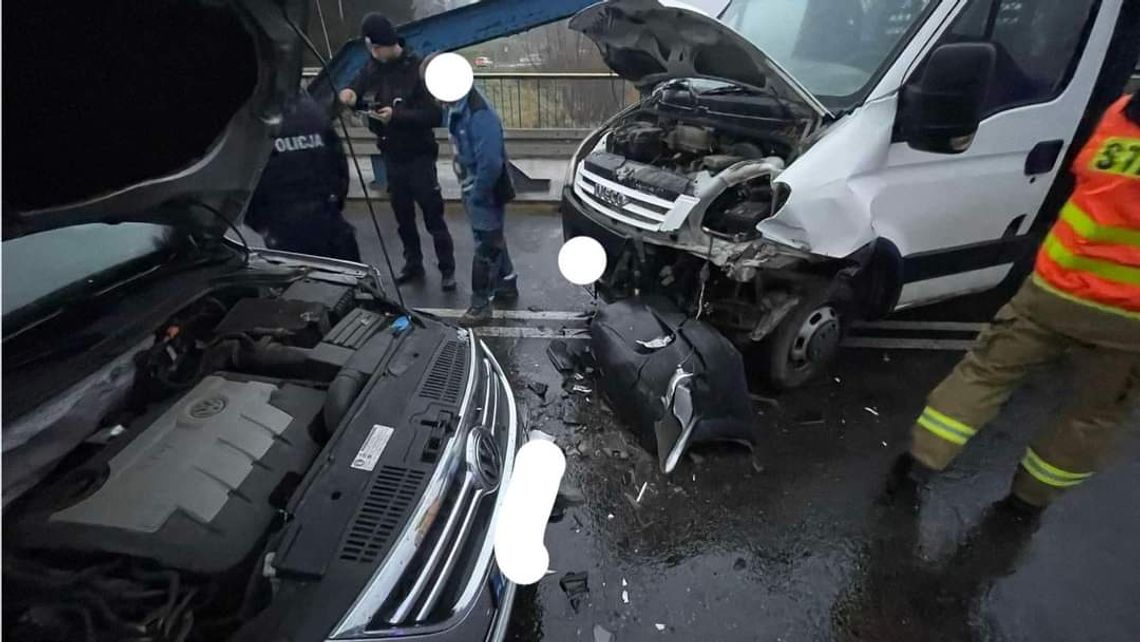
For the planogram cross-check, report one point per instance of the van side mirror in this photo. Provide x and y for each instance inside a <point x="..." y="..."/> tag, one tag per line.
<point x="940" y="111"/>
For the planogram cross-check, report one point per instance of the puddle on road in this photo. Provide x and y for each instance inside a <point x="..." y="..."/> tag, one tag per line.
<point x="796" y="550"/>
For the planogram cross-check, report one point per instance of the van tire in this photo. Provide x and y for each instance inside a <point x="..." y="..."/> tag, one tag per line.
<point x="804" y="344"/>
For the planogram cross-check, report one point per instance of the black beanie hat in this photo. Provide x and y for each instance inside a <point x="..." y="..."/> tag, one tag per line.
<point x="378" y="30"/>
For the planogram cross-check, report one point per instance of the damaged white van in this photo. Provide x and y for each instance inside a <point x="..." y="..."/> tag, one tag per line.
<point x="799" y="164"/>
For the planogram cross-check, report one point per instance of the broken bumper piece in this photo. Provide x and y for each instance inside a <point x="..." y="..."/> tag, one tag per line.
<point x="675" y="380"/>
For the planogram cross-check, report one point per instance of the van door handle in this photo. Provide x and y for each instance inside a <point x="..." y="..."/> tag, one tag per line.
<point x="1043" y="157"/>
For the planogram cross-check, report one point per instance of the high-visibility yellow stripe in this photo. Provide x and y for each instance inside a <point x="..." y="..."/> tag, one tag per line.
<point x="942" y="432"/>
<point x="949" y="422"/>
<point x="1040" y="282"/>
<point x="1084" y="225"/>
<point x="1104" y="269"/>
<point x="1049" y="474"/>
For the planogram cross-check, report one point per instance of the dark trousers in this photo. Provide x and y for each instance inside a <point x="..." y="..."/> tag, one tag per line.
<point x="317" y="229"/>
<point x="491" y="267"/>
<point x="411" y="182"/>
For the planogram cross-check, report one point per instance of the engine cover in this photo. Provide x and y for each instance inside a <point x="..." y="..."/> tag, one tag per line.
<point x="191" y="489"/>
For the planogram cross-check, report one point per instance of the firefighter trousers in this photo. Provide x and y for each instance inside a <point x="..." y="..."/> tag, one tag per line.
<point x="1037" y="328"/>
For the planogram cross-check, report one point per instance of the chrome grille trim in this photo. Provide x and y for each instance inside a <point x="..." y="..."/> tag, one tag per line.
<point x="379" y="587"/>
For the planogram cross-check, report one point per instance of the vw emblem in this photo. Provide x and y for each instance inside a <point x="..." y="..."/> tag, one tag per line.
<point x="610" y="196"/>
<point x="207" y="407"/>
<point x="483" y="460"/>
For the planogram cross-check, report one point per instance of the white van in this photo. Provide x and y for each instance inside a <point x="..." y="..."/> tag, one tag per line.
<point x="802" y="163"/>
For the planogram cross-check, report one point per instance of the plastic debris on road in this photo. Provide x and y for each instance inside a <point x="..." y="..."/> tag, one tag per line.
<point x="601" y="634"/>
<point x="576" y="587"/>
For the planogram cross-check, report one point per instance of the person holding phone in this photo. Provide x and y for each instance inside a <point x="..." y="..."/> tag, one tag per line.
<point x="402" y="114"/>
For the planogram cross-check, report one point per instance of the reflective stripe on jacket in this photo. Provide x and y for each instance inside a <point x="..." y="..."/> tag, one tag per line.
<point x="1092" y="254"/>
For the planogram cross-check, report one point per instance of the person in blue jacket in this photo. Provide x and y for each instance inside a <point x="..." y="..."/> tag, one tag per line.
<point x="481" y="165"/>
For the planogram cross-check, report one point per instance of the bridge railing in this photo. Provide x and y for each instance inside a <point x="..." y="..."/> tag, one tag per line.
<point x="552" y="100"/>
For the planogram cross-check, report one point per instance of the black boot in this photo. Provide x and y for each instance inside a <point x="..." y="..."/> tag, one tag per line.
<point x="508" y="290"/>
<point x="410" y="273"/>
<point x="476" y="316"/>
<point x="906" y="480"/>
<point x="447" y="282"/>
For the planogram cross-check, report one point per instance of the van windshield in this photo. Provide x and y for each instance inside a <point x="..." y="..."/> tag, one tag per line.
<point x="835" y="48"/>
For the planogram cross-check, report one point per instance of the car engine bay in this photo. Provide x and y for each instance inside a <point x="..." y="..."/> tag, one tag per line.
<point x="142" y="531"/>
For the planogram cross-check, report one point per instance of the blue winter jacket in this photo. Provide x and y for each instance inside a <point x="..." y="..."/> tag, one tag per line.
<point x="477" y="137"/>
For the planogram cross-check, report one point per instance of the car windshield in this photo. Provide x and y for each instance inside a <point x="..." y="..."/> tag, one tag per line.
<point x="835" y="48"/>
<point x="39" y="265"/>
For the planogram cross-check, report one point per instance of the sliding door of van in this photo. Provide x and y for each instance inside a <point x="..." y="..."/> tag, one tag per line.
<point x="960" y="220"/>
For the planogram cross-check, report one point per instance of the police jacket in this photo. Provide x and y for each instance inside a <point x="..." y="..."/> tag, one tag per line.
<point x="398" y="85"/>
<point x="306" y="166"/>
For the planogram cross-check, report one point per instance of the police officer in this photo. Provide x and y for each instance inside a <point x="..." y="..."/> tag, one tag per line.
<point x="297" y="204"/>
<point x="1082" y="301"/>
<point x="402" y="114"/>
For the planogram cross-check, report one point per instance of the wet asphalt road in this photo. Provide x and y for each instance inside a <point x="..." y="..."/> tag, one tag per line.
<point x="796" y="541"/>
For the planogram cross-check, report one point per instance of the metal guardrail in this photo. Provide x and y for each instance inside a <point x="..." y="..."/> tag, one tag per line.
<point x="550" y="100"/>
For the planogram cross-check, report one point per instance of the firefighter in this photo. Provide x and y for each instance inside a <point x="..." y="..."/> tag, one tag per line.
<point x="1082" y="301"/>
<point x="402" y="114"/>
<point x="297" y="203"/>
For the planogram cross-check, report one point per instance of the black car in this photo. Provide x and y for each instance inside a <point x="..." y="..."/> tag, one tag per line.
<point x="203" y="441"/>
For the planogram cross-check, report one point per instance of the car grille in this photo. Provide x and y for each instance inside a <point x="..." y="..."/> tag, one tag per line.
<point x="451" y="560"/>
<point x="619" y="202"/>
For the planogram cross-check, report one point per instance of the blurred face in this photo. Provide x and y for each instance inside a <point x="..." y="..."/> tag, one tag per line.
<point x="385" y="53"/>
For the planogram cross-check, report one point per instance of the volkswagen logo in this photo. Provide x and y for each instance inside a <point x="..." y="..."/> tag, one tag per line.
<point x="609" y="196"/>
<point x="483" y="460"/>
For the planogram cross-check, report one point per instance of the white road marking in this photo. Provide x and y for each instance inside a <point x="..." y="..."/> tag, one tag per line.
<point x="882" y="343"/>
<point x="887" y="343"/>
<point x="517" y="332"/>
<point x="570" y="315"/>
<point x="512" y="315"/>
<point x="933" y="326"/>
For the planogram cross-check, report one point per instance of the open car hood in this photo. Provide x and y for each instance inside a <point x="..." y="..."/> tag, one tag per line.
<point x="167" y="116"/>
<point x="646" y="42"/>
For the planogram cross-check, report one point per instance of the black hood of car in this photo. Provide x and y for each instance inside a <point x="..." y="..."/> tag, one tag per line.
<point x="159" y="111"/>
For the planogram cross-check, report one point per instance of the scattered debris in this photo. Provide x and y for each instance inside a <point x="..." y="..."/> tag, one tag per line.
<point x="624" y="583"/>
<point x="656" y="344"/>
<point x="640" y="494"/>
<point x="538" y="388"/>
<point x="569" y="357"/>
<point x="601" y="634"/>
<point x="838" y="380"/>
<point x="576" y="587"/>
<point x="610" y="516"/>
<point x="582" y="390"/>
<point x="559" y="354"/>
<point x="871" y="410"/>
<point x="739" y="564"/>
<point x="660" y="626"/>
<point x="810" y="418"/>
<point x="886" y="358"/>
<point x="625" y="597"/>
<point x="884" y="444"/>
<point x="571" y="416"/>
<point x="613" y="445"/>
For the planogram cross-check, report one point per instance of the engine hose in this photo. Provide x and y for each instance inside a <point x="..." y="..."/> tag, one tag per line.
<point x="342" y="392"/>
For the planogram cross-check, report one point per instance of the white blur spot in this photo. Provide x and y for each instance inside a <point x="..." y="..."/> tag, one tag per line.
<point x="519" y="548"/>
<point x="449" y="77"/>
<point x="582" y="260"/>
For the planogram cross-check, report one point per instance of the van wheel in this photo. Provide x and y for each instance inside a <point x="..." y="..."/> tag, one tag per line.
<point x="803" y="345"/>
